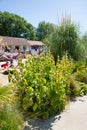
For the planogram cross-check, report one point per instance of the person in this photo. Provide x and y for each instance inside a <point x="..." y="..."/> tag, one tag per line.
<point x="11" y="60"/>
<point x="5" y="65"/>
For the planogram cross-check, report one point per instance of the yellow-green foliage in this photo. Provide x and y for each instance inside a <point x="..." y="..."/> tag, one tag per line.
<point x="78" y="82"/>
<point x="42" y="87"/>
<point x="81" y="73"/>
<point x="4" y="95"/>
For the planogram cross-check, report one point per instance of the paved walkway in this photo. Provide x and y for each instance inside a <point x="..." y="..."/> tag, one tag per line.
<point x="74" y="117"/>
<point x="3" y="79"/>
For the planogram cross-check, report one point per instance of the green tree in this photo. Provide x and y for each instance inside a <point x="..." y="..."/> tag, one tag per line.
<point x="84" y="44"/>
<point x="15" y="26"/>
<point x="64" y="39"/>
<point x="44" y="29"/>
<point x="84" y="40"/>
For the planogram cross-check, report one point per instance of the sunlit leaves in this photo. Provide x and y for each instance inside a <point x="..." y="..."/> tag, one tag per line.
<point x="41" y="86"/>
<point x="15" y="26"/>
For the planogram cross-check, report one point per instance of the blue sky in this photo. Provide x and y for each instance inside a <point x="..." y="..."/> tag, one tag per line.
<point x="35" y="11"/>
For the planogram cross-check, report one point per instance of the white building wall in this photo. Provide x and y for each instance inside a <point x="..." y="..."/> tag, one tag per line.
<point x="27" y="48"/>
<point x="21" y="48"/>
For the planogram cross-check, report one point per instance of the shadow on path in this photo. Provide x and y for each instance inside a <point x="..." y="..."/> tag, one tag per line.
<point x="39" y="124"/>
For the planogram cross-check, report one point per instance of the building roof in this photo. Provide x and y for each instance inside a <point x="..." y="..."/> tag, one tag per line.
<point x="13" y="41"/>
<point x="35" y="43"/>
<point x="18" y="41"/>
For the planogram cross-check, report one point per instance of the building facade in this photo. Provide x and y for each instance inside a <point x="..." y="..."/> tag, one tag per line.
<point x="19" y="44"/>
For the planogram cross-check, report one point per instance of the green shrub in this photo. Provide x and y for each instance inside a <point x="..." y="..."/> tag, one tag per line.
<point x="41" y="87"/>
<point x="81" y="73"/>
<point x="74" y="88"/>
<point x="83" y="88"/>
<point x="78" y="79"/>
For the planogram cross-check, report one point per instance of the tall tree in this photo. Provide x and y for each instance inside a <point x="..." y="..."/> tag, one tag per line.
<point x="44" y="29"/>
<point x="65" y="38"/>
<point x="15" y="26"/>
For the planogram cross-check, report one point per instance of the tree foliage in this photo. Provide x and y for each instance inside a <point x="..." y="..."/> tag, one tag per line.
<point x="64" y="39"/>
<point x="15" y="26"/>
<point x="84" y="42"/>
<point x="44" y="29"/>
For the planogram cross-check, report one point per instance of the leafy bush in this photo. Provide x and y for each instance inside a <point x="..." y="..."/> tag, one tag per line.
<point x="78" y="82"/>
<point x="41" y="87"/>
<point x="74" y="88"/>
<point x="81" y="73"/>
<point x="83" y="88"/>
